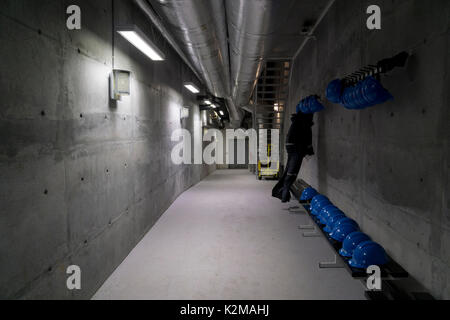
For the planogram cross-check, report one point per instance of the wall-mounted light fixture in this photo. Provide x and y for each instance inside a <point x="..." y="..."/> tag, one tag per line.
<point x="138" y="39"/>
<point x="119" y="84"/>
<point x="191" y="87"/>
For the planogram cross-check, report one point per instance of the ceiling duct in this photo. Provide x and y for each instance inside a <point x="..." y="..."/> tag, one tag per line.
<point x="252" y="25"/>
<point x="200" y="28"/>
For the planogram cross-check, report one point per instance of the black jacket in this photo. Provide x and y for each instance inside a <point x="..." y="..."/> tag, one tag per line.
<point x="299" y="138"/>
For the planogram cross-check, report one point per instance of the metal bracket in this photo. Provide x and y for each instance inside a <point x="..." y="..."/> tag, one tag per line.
<point x="296" y="210"/>
<point x="310" y="226"/>
<point x="312" y="234"/>
<point x="307" y="227"/>
<point x="332" y="265"/>
<point x="313" y="231"/>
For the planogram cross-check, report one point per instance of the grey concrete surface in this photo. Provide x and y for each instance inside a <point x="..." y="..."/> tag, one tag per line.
<point x="82" y="179"/>
<point x="226" y="238"/>
<point x="387" y="166"/>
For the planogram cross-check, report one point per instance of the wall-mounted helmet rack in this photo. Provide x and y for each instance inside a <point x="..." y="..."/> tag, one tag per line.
<point x="382" y="67"/>
<point x="396" y="281"/>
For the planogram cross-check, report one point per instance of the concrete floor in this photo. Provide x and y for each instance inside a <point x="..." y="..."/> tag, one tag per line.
<point x="226" y="238"/>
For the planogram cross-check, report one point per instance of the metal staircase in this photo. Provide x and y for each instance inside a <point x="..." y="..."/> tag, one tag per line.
<point x="268" y="107"/>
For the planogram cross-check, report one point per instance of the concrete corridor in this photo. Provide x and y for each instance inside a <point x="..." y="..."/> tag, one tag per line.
<point x="226" y="238"/>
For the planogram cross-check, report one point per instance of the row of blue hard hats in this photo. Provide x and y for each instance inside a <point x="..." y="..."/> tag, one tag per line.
<point x="310" y="105"/>
<point x="366" y="93"/>
<point x="355" y="244"/>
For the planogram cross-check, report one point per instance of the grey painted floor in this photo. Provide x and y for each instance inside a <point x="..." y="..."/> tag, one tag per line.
<point x="226" y="238"/>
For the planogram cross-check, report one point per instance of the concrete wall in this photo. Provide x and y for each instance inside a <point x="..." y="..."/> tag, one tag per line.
<point x="387" y="166"/>
<point x="82" y="179"/>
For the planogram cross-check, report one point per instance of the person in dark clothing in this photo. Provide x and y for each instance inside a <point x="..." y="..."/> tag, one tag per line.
<point x="298" y="146"/>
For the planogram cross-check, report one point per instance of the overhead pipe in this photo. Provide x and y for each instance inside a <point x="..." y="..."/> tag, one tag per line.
<point x="252" y="24"/>
<point x="236" y="114"/>
<point x="200" y="26"/>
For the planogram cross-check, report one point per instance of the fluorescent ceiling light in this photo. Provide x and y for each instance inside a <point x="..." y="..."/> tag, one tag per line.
<point x="138" y="39"/>
<point x="207" y="102"/>
<point x="192" y="88"/>
<point x="221" y="113"/>
<point x="213" y="106"/>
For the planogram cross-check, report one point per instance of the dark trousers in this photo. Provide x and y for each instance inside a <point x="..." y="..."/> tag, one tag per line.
<point x="282" y="190"/>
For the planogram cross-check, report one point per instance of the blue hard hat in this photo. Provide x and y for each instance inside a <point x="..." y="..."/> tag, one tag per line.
<point x="356" y="104"/>
<point x="351" y="242"/>
<point x="308" y="105"/>
<point x="337" y="215"/>
<point x="333" y="212"/>
<point x="316" y="106"/>
<point x="359" y="103"/>
<point x="299" y="107"/>
<point x="346" y="97"/>
<point x="325" y="212"/>
<point x="346" y="220"/>
<point x="334" y="91"/>
<point x="319" y="205"/>
<point x="361" y="100"/>
<point x="318" y="198"/>
<point x="374" y="93"/>
<point x="352" y="104"/>
<point x="341" y="231"/>
<point x="303" y="106"/>
<point x="314" y="204"/>
<point x="368" y="253"/>
<point x="329" y="213"/>
<point x="363" y="85"/>
<point x="308" y="194"/>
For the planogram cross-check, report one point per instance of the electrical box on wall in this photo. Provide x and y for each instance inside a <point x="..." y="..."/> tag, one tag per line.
<point x="119" y="83"/>
<point x="184" y="113"/>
